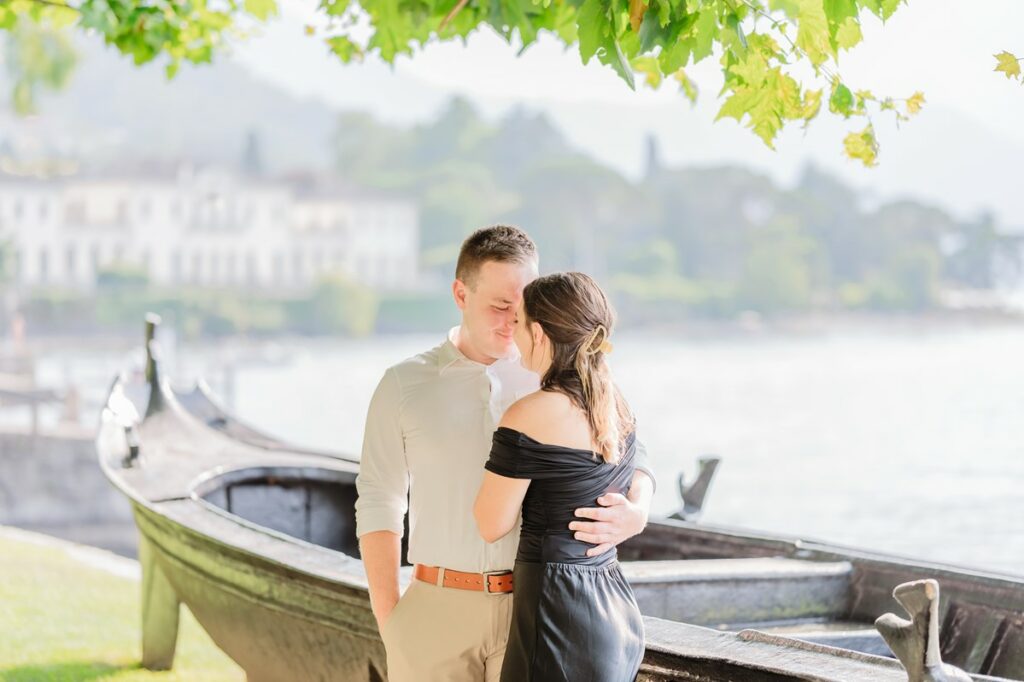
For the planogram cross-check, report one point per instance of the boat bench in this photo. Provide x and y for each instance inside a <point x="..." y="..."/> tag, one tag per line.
<point x="738" y="592"/>
<point x="807" y="600"/>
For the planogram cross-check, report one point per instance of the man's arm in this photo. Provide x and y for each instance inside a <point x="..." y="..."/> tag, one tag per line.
<point x="382" y="553"/>
<point x="383" y="486"/>
<point x="618" y="518"/>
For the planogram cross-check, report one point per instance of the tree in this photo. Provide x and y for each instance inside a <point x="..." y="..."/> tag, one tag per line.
<point x="763" y="45"/>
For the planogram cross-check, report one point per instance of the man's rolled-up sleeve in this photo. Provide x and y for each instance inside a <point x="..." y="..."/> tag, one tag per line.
<point x="383" y="481"/>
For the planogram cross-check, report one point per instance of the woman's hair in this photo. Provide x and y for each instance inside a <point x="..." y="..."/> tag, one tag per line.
<point x="575" y="314"/>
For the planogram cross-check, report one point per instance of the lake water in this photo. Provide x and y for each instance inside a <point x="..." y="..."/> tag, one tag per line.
<point x="902" y="441"/>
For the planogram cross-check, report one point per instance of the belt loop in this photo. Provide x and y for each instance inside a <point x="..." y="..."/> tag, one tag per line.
<point x="440" y="576"/>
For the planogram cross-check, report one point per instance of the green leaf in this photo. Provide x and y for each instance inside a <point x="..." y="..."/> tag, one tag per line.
<point x="651" y="32"/>
<point x="676" y="57"/>
<point x="738" y="104"/>
<point x="591" y="25"/>
<point x="261" y="9"/>
<point x="704" y="33"/>
<point x="344" y="48"/>
<point x="841" y="101"/>
<point x="812" y="34"/>
<point x="888" y="8"/>
<point x="334" y="8"/>
<point x="7" y="18"/>
<point x="838" y="11"/>
<point x="753" y="70"/>
<point x="873" y="6"/>
<point x="791" y="8"/>
<point x="611" y="54"/>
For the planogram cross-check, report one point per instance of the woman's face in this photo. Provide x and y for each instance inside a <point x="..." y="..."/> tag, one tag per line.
<point x="534" y="347"/>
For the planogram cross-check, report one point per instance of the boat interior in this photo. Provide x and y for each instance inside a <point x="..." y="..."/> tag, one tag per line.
<point x="683" y="572"/>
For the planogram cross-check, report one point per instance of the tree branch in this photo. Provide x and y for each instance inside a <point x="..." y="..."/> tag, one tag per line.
<point x="451" y="15"/>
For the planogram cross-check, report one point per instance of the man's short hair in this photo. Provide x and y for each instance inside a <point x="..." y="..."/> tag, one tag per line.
<point x="501" y="243"/>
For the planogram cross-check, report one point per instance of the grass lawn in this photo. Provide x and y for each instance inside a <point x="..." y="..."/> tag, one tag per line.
<point x="62" y="618"/>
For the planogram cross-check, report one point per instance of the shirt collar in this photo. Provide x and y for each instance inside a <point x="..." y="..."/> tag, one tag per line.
<point x="449" y="355"/>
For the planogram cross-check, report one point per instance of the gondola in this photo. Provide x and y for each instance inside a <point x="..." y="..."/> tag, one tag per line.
<point x="257" y="538"/>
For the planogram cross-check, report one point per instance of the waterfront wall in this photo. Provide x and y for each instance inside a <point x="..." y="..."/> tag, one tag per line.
<point x="52" y="483"/>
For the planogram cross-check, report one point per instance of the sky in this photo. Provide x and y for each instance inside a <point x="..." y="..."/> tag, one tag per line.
<point x="962" y="152"/>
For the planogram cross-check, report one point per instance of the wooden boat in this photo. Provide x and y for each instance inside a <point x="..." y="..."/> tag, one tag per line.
<point x="257" y="539"/>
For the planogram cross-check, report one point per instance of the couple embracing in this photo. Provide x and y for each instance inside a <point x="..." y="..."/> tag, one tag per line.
<point x="517" y="458"/>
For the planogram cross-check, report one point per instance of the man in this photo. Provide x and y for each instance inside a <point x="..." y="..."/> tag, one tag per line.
<point x="428" y="435"/>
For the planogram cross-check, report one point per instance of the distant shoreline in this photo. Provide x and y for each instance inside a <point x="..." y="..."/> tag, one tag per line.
<point x="750" y="325"/>
<point x="812" y="324"/>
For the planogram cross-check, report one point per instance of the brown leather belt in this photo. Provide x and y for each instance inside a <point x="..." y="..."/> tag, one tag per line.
<point x="491" y="582"/>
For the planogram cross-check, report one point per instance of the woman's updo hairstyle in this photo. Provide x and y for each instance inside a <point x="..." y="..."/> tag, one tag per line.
<point x="576" y="316"/>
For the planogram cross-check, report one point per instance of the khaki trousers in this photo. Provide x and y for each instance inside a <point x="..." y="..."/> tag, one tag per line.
<point x="441" y="634"/>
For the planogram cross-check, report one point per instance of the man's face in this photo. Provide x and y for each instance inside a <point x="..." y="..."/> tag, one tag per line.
<point x="489" y="308"/>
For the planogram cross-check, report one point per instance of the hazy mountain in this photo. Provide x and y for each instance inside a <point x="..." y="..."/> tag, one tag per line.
<point x="112" y="109"/>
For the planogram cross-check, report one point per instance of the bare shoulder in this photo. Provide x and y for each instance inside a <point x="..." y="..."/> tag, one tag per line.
<point x="549" y="417"/>
<point x="534" y="409"/>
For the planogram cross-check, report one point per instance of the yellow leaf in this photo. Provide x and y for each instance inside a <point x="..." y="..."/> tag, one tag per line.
<point x="863" y="146"/>
<point x="812" y="31"/>
<point x="688" y="86"/>
<point x="811" y="105"/>
<point x="848" y="34"/>
<point x="637" y="9"/>
<point x="649" y="67"/>
<point x="915" y="102"/>
<point x="1008" y="64"/>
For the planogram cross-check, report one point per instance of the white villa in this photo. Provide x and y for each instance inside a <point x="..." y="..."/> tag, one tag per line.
<point x="205" y="228"/>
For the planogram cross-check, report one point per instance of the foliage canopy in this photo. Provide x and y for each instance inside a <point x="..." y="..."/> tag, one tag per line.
<point x="779" y="58"/>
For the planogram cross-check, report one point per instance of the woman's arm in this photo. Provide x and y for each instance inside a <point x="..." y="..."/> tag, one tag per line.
<point x="501" y="497"/>
<point x="498" y="504"/>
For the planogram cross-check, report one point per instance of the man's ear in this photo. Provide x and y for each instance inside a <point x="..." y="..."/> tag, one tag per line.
<point x="459" y="293"/>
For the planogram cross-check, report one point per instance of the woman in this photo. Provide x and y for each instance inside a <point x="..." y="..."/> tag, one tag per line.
<point x="556" y="450"/>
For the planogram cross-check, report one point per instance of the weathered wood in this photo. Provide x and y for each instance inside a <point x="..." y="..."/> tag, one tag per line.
<point x="731" y="592"/>
<point x="916" y="641"/>
<point x="160" y="611"/>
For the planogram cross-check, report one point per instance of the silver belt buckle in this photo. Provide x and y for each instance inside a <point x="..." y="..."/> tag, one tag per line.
<point x="487" y="582"/>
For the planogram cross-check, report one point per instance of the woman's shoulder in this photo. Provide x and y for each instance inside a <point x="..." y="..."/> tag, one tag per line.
<point x="533" y="409"/>
<point x="549" y="418"/>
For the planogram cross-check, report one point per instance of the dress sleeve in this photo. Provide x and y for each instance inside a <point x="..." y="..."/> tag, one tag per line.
<point x="517" y="456"/>
<point x="505" y="459"/>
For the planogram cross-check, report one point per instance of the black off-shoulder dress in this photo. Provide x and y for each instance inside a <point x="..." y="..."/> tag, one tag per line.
<point x="574" y="617"/>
